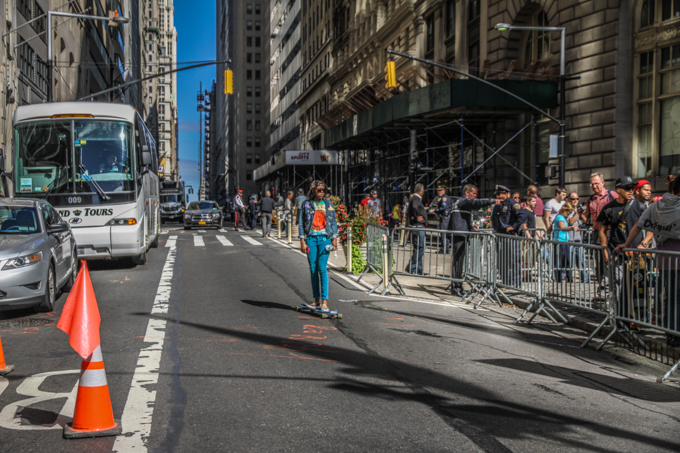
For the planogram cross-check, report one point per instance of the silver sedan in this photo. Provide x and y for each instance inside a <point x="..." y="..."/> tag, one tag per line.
<point x="38" y="254"/>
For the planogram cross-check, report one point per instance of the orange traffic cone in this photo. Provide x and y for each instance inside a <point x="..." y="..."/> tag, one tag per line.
<point x="4" y="368"/>
<point x="93" y="415"/>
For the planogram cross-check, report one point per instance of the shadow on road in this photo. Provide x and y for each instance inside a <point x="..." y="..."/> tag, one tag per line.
<point x="493" y="416"/>
<point x="261" y="304"/>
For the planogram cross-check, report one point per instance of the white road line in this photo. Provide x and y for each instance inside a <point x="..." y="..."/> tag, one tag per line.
<point x="201" y="231"/>
<point x="224" y="241"/>
<point x="222" y="230"/>
<point x="164" y="231"/>
<point x="138" y="412"/>
<point x="198" y="241"/>
<point x="172" y="241"/>
<point x="250" y="240"/>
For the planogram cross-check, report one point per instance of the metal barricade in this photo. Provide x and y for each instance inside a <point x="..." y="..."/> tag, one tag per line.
<point x="376" y="236"/>
<point x="520" y="268"/>
<point x="646" y="291"/>
<point x="423" y="255"/>
<point x="578" y="274"/>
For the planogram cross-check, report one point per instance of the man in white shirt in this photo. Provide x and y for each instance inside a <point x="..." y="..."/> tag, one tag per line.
<point x="239" y="211"/>
<point x="552" y="207"/>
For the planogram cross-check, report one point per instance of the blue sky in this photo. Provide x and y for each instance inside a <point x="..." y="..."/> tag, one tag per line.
<point x="195" y="23"/>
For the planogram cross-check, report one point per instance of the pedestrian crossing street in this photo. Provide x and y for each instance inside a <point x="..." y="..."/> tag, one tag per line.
<point x="203" y="238"/>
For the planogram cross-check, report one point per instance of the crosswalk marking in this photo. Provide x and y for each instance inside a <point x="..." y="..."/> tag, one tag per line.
<point x="224" y="241"/>
<point x="164" y="231"/>
<point x="222" y="230"/>
<point x="198" y="241"/>
<point x="172" y="241"/>
<point x="250" y="240"/>
<point x="201" y="231"/>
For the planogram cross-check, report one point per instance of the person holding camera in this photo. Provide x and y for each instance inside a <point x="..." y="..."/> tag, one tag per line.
<point x="578" y="220"/>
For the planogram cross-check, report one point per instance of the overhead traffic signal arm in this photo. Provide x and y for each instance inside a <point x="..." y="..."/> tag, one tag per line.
<point x="391" y="75"/>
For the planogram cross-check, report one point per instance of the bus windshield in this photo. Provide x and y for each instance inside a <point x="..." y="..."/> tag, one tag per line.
<point x="90" y="158"/>
<point x="170" y="199"/>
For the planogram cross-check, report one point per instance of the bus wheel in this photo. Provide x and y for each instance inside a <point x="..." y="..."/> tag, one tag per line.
<point x="140" y="260"/>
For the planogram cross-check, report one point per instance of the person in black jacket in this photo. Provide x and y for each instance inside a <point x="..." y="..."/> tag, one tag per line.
<point x="417" y="215"/>
<point x="461" y="220"/>
<point x="266" y="205"/>
<point x="507" y="218"/>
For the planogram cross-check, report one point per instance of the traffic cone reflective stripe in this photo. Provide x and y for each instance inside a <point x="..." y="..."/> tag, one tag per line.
<point x="93" y="415"/>
<point x="4" y="368"/>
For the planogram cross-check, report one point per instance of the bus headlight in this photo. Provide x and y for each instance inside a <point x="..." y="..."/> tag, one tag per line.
<point x="123" y="222"/>
<point x="23" y="261"/>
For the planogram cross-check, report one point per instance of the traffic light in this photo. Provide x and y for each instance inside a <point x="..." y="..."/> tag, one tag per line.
<point x="391" y="75"/>
<point x="228" y="81"/>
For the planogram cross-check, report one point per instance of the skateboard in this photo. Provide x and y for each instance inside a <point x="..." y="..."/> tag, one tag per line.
<point x="324" y="314"/>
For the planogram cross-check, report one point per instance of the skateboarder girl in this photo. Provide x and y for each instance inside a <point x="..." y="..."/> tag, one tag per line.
<point x="318" y="230"/>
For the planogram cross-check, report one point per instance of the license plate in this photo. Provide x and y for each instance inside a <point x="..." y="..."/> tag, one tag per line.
<point x="201" y="223"/>
<point x="172" y="216"/>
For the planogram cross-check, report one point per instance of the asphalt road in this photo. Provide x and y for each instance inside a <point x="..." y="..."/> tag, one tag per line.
<point x="204" y="352"/>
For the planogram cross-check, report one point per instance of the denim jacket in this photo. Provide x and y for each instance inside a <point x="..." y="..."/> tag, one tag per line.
<point x="306" y="216"/>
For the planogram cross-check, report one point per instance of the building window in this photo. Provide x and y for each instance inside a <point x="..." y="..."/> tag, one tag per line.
<point x="249" y="125"/>
<point x="249" y="25"/>
<point x="647" y="13"/>
<point x="257" y="9"/>
<point x="258" y="125"/>
<point x="473" y="36"/>
<point x="258" y="92"/>
<point x="258" y="74"/>
<point x="249" y="142"/>
<point x="42" y="75"/>
<point x="249" y="74"/>
<point x="257" y="108"/>
<point x="474" y="9"/>
<point x="669" y="146"/>
<point x="26" y="60"/>
<point x="249" y="41"/>
<point x="258" y="25"/>
<point x="257" y="41"/>
<point x="249" y="91"/>
<point x="670" y="9"/>
<point x="537" y="45"/>
<point x="249" y="175"/>
<point x="257" y="142"/>
<point x="257" y="158"/>
<point x="24" y="7"/>
<point x="249" y="8"/>
<point x="450" y="18"/>
<point x="249" y="157"/>
<point x="429" y="42"/>
<point x="249" y="108"/>
<point x="249" y="57"/>
<point x="258" y="58"/>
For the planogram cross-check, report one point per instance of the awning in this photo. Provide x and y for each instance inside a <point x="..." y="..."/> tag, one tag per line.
<point x="436" y="103"/>
<point x="305" y="157"/>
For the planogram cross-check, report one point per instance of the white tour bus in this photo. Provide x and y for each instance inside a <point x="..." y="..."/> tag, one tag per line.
<point x="96" y="163"/>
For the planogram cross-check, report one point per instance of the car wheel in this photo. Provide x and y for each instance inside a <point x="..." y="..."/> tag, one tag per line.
<point x="187" y="227"/>
<point x="47" y="304"/>
<point x="74" y="271"/>
<point x="140" y="260"/>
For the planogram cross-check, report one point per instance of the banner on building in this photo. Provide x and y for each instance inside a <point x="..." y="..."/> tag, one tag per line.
<point x="317" y="157"/>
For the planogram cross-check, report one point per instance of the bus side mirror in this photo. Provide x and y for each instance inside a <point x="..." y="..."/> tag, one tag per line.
<point x="146" y="156"/>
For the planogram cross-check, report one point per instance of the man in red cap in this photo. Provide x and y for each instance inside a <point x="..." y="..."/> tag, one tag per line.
<point x="239" y="210"/>
<point x="643" y="192"/>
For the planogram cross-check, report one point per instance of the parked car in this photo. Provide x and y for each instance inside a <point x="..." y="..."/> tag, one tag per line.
<point x="203" y="214"/>
<point x="38" y="254"/>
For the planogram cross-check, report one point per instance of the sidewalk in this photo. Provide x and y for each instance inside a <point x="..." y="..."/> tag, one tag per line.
<point x="436" y="291"/>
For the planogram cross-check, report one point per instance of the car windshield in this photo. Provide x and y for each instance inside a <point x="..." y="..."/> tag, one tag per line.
<point x="18" y="220"/>
<point x="196" y="205"/>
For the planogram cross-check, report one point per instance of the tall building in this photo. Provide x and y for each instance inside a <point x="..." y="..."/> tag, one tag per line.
<point x="317" y="66"/>
<point x="285" y="60"/>
<point x="222" y="116"/>
<point x="167" y="91"/>
<point x="149" y="61"/>
<point x="244" y="114"/>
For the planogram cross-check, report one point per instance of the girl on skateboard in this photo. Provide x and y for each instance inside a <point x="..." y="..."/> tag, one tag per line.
<point x="318" y="229"/>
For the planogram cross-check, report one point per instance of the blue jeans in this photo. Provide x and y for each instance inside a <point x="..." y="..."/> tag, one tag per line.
<point x="415" y="266"/>
<point x="318" y="264"/>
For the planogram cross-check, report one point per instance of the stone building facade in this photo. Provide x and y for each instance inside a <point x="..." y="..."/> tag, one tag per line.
<point x="620" y="96"/>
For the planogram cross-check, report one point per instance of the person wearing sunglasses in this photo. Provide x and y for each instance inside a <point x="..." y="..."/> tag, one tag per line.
<point x="318" y="230"/>
<point x="620" y="215"/>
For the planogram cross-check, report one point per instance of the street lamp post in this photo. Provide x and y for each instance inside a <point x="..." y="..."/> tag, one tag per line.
<point x="563" y="99"/>
<point x="50" y="14"/>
